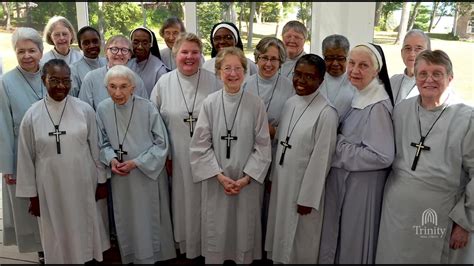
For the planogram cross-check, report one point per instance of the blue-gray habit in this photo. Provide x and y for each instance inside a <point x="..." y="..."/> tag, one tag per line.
<point x="141" y="199"/>
<point x="19" y="89"/>
<point x="80" y="68"/>
<point x="354" y="187"/>
<point x="93" y="90"/>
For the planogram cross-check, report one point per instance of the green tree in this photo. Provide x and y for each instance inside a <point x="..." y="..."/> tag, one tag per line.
<point x="208" y="14"/>
<point x="423" y="18"/>
<point x="387" y="10"/>
<point x="45" y="10"/>
<point x="119" y="18"/>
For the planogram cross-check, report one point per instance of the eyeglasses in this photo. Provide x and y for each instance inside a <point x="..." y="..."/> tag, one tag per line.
<point x="115" y="50"/>
<point x="56" y="82"/>
<point x="436" y="76"/>
<point x="226" y="38"/>
<point x="339" y="59"/>
<point x="171" y="33"/>
<point x="229" y="70"/>
<point x="272" y="60"/>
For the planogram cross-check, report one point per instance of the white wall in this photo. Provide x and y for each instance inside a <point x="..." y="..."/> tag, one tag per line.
<point x="353" y="20"/>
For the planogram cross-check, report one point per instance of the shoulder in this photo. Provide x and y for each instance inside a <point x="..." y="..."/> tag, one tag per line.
<point x="101" y="71"/>
<point x="396" y="77"/>
<point x="103" y="105"/>
<point x="405" y="105"/>
<point x="81" y="104"/>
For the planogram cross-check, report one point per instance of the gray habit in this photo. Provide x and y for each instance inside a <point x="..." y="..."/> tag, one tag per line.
<point x="141" y="200"/>
<point x="364" y="151"/>
<point x="231" y="225"/>
<point x="80" y="68"/>
<point x="441" y="186"/>
<point x="339" y="92"/>
<point x="72" y="229"/>
<point x="291" y="237"/>
<point x="72" y="57"/>
<point x="150" y="70"/>
<point x="185" y="194"/>
<point x="93" y="90"/>
<point x="288" y="67"/>
<point x="16" y="96"/>
<point x="403" y="87"/>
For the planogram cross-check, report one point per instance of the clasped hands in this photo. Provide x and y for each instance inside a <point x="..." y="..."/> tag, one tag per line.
<point x="232" y="187"/>
<point x="123" y="168"/>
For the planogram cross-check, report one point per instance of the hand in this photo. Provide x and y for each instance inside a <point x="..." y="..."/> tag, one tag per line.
<point x="229" y="185"/>
<point x="169" y="167"/>
<point x="113" y="164"/>
<point x="34" y="208"/>
<point x="101" y="191"/>
<point x="272" y="130"/>
<point x="9" y="180"/>
<point x="303" y="210"/>
<point x="459" y="237"/>
<point x="126" y="166"/>
<point x="242" y="182"/>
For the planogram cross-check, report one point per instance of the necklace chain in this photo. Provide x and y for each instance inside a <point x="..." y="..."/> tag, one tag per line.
<point x="128" y="125"/>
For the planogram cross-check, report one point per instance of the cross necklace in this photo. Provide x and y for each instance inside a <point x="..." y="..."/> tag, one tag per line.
<point x="273" y="91"/>
<point x="190" y="119"/>
<point x="120" y="151"/>
<point x="57" y="133"/>
<point x="29" y="84"/>
<point x="421" y="144"/>
<point x="228" y="138"/>
<point x="285" y="143"/>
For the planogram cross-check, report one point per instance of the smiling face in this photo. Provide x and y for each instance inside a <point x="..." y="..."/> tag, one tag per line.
<point x="120" y="89"/>
<point x="336" y="61"/>
<point x="269" y="62"/>
<point x="223" y="38"/>
<point x="232" y="73"/>
<point x="58" y="82"/>
<point x="306" y="79"/>
<point x="432" y="80"/>
<point x="89" y="43"/>
<point x="294" y="43"/>
<point x="119" y="58"/>
<point x="141" y="44"/>
<point x="188" y="58"/>
<point x="28" y="55"/>
<point x="170" y="35"/>
<point x="360" y="69"/>
<point x="61" y="37"/>
<point x="413" y="45"/>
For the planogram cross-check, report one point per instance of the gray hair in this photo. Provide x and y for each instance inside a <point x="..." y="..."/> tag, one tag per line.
<point x="186" y="37"/>
<point x="265" y="43"/>
<point x="119" y="38"/>
<point x="52" y="22"/>
<point x="30" y="34"/>
<point x="436" y="57"/>
<point x="336" y="41"/>
<point x="419" y="33"/>
<point x="296" y="26"/>
<point x="122" y="72"/>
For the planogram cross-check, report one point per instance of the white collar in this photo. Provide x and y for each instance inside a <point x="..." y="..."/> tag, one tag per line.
<point x="373" y="93"/>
